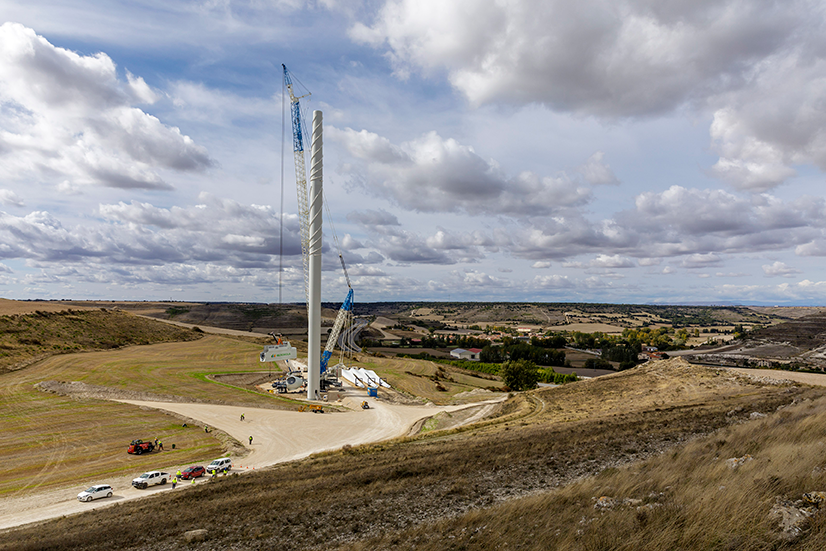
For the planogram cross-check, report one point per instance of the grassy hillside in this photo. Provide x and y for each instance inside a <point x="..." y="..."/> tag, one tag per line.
<point x="25" y="338"/>
<point x="53" y="434"/>
<point x="508" y="483"/>
<point x="748" y="487"/>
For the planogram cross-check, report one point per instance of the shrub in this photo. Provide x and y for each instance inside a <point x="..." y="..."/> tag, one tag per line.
<point x="519" y="374"/>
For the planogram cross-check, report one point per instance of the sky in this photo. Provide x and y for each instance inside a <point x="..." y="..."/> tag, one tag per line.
<point x="609" y="151"/>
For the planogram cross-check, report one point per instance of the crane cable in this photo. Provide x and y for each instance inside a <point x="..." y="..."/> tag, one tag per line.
<point x="281" y="214"/>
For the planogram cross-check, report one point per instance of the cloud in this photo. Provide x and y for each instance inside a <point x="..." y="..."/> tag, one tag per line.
<point x="540" y="265"/>
<point x="612" y="261"/>
<point x="777" y="122"/>
<point x="133" y="234"/>
<point x="433" y="174"/>
<point x="758" y="66"/>
<point x="68" y="120"/>
<point x="373" y="218"/>
<point x="476" y="279"/>
<point x="779" y="269"/>
<point x="702" y="260"/>
<point x="596" y="172"/>
<point x="552" y="282"/>
<point x="815" y="247"/>
<point x="8" y="197"/>
<point x="360" y="270"/>
<point x="611" y="59"/>
<point x="677" y="222"/>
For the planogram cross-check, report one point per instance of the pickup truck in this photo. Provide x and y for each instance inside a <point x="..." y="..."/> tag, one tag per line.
<point x="150" y="479"/>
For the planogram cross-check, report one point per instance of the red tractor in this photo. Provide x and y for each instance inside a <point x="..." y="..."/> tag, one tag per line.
<point x="139" y="446"/>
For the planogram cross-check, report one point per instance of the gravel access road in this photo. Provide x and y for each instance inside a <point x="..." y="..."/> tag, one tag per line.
<point x="278" y="436"/>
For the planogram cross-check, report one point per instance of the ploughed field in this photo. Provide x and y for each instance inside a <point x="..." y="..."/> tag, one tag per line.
<point x="659" y="433"/>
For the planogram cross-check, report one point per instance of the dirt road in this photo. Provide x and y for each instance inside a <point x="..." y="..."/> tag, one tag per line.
<point x="277" y="436"/>
<point x="286" y="435"/>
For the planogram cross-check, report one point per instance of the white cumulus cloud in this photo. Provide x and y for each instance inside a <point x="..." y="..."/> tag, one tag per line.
<point x="69" y="120"/>
<point x="434" y="174"/>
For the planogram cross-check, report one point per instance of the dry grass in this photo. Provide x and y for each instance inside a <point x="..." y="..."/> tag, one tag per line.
<point x="49" y="440"/>
<point x="455" y="489"/>
<point x="12" y="307"/>
<point x="686" y="499"/>
<point x="179" y="369"/>
<point x="26" y="338"/>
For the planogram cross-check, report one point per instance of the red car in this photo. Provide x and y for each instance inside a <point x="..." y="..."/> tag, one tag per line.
<point x="193" y="472"/>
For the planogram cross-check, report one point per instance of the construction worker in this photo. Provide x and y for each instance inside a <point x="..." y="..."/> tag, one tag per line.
<point x="160" y="445"/>
<point x="250" y="440"/>
<point x="178" y="474"/>
<point x="206" y="428"/>
<point x="242" y="417"/>
<point x="213" y="473"/>
<point x="174" y="481"/>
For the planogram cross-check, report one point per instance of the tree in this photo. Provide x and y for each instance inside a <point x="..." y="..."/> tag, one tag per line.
<point x="519" y="374"/>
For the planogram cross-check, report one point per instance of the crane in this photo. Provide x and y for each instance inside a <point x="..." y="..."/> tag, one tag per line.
<point x="300" y="178"/>
<point x="345" y="311"/>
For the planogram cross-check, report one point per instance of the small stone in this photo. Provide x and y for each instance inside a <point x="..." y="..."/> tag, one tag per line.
<point x="195" y="535"/>
<point x="735" y="462"/>
<point x="756" y="415"/>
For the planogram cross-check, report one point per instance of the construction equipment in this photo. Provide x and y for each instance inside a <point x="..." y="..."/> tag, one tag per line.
<point x="365" y="405"/>
<point x="345" y="312"/>
<point x="281" y="350"/>
<point x="139" y="447"/>
<point x="312" y="407"/>
<point x="300" y="178"/>
<point x="292" y="382"/>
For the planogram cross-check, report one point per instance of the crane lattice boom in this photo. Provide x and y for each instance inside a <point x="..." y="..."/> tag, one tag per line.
<point x="300" y="180"/>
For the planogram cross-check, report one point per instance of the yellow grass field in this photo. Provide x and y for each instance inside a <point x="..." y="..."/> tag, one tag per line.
<point x="50" y="440"/>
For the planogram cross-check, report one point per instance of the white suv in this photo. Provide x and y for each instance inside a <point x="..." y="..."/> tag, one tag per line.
<point x="219" y="465"/>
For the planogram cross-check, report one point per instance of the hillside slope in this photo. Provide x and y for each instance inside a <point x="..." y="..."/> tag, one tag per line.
<point x="544" y="440"/>
<point x="25" y="338"/>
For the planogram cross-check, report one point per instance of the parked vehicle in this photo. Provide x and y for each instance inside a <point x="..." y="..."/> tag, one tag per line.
<point x="193" y="472"/>
<point x="139" y="446"/>
<point x="220" y="465"/>
<point x="150" y="479"/>
<point x="95" y="492"/>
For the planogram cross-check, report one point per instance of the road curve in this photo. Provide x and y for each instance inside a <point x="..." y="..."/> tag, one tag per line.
<point x="278" y="436"/>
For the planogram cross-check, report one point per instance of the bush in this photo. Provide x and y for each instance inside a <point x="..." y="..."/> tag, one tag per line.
<point x="519" y="374"/>
<point x="597" y="363"/>
<point x="552" y="377"/>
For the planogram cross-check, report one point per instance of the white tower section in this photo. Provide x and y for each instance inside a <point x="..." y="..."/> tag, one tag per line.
<point x="314" y="310"/>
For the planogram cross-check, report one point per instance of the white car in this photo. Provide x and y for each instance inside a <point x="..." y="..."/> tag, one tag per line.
<point x="219" y="465"/>
<point x="95" y="492"/>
